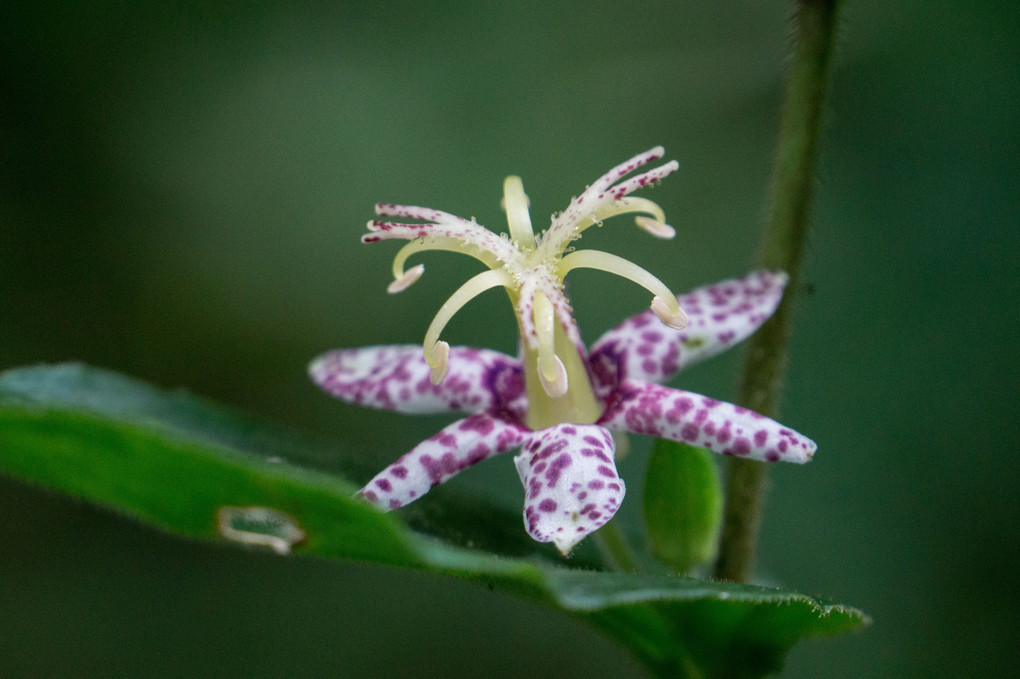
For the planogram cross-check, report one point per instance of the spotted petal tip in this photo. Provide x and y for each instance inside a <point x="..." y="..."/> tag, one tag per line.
<point x="440" y="457"/>
<point x="397" y="378"/>
<point x="704" y="422"/>
<point x="718" y="317"/>
<point x="570" y="482"/>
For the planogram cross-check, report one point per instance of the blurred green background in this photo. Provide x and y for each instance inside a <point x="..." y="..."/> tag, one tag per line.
<point x="181" y="194"/>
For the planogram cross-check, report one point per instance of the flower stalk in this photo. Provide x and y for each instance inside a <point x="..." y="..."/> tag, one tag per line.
<point x="782" y="248"/>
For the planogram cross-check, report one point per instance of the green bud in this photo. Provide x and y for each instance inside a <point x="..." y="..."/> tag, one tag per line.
<point x="683" y="504"/>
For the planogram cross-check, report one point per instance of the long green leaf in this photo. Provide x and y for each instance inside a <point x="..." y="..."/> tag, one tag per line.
<point x="200" y="470"/>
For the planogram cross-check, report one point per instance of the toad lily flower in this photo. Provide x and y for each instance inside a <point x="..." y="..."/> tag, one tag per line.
<point x="558" y="403"/>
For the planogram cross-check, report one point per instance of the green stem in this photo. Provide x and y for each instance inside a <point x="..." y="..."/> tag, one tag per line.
<point x="615" y="549"/>
<point x="782" y="248"/>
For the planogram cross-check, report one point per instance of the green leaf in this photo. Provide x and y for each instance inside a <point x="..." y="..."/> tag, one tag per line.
<point x="683" y="504"/>
<point x="200" y="470"/>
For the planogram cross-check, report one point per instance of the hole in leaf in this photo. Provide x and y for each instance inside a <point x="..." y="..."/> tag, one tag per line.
<point x="263" y="526"/>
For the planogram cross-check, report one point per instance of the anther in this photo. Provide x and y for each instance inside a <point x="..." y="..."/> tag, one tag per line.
<point x="655" y="227"/>
<point x="551" y="371"/>
<point x="440" y="362"/>
<point x="675" y="319"/>
<point x="407" y="280"/>
<point x="556" y="384"/>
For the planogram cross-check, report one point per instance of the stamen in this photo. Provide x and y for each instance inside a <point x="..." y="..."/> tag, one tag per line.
<point x="406" y="280"/>
<point x="664" y="303"/>
<point x="435" y="355"/>
<point x="441" y="243"/>
<point x="442" y="357"/>
<point x="551" y="371"/>
<point x="556" y="387"/>
<point x="658" y="229"/>
<point x="673" y="318"/>
<point x="656" y="225"/>
<point x="515" y="202"/>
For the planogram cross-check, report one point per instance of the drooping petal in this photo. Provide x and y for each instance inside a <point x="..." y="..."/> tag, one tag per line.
<point x="396" y="378"/>
<point x="644" y="408"/>
<point x="571" y="487"/>
<point x="720" y="316"/>
<point x="440" y="457"/>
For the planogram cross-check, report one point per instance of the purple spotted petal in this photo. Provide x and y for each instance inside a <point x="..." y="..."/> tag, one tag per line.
<point x="722" y="427"/>
<point x="436" y="459"/>
<point x="571" y="487"/>
<point x="397" y="378"/>
<point x="642" y="348"/>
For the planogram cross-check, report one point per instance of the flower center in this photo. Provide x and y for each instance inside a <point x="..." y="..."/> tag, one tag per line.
<point x="550" y="401"/>
<point x="531" y="269"/>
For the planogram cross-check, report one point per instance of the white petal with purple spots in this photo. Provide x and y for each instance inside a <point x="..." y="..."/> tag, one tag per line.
<point x="571" y="484"/>
<point x="722" y="427"/>
<point x="439" y="458"/>
<point x="397" y="378"/>
<point x="721" y="315"/>
<point x="571" y="487"/>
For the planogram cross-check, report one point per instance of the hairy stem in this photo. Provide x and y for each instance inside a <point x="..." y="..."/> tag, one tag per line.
<point x="782" y="248"/>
